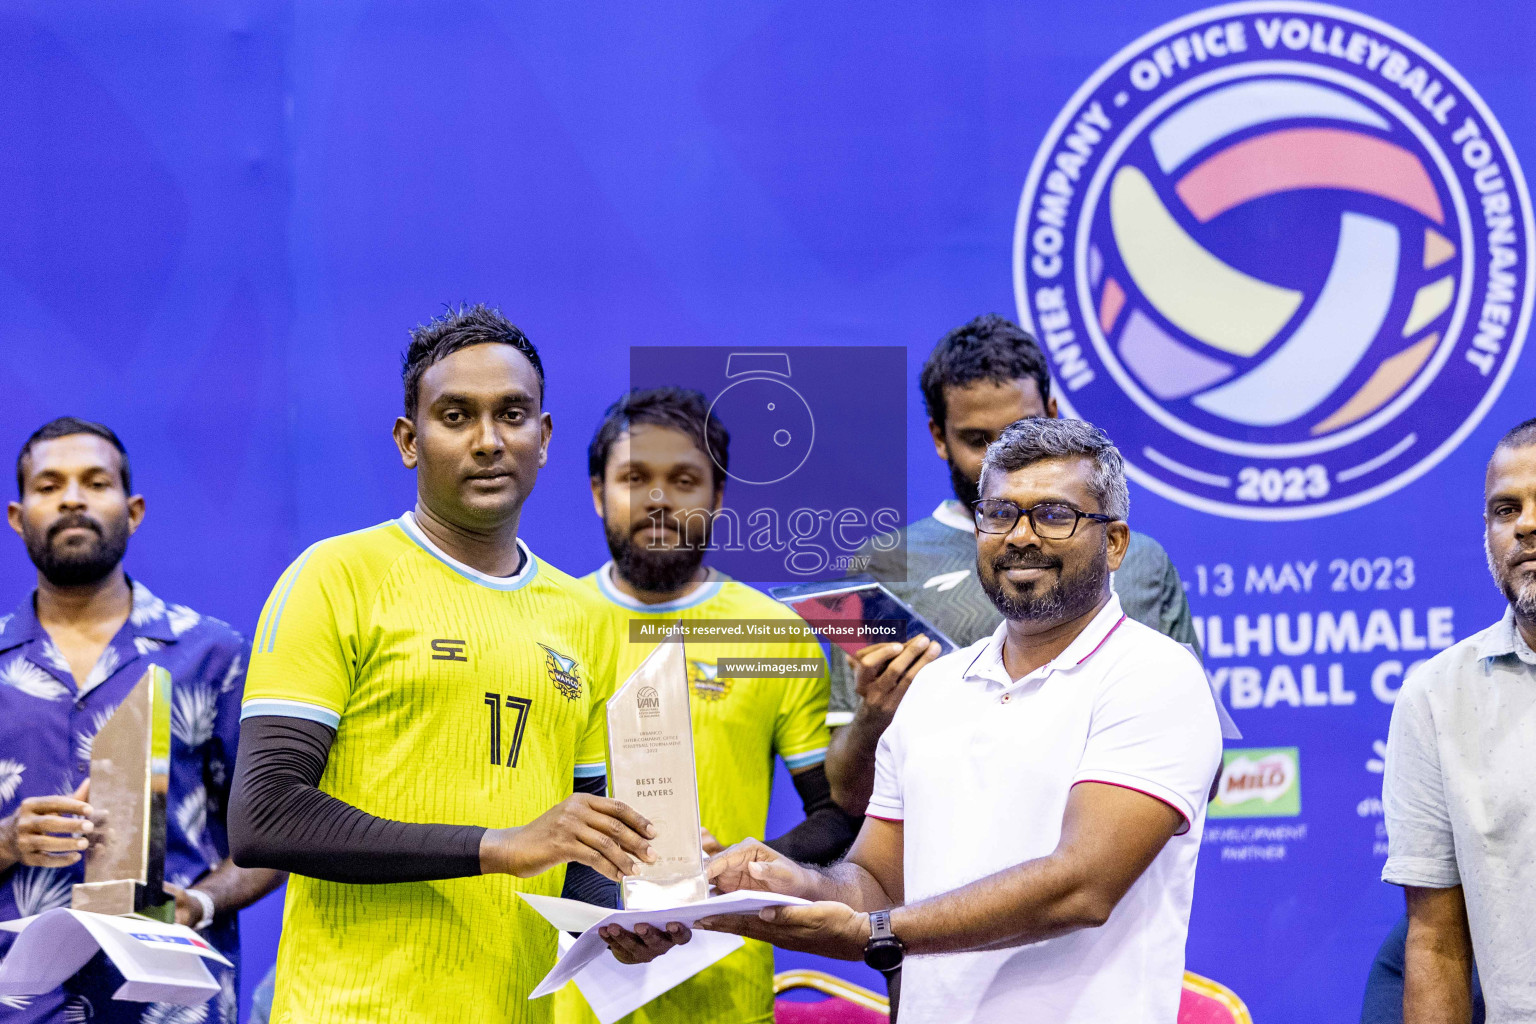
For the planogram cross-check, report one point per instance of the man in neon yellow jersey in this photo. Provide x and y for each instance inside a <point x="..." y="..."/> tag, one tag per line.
<point x="654" y="484"/>
<point x="422" y="729"/>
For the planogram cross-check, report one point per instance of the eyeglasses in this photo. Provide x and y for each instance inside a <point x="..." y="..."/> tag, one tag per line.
<point x="1050" y="520"/>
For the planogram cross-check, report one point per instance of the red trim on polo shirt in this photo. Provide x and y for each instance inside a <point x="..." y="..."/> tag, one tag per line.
<point x="893" y="821"/>
<point x="1101" y="643"/>
<point x="1168" y="803"/>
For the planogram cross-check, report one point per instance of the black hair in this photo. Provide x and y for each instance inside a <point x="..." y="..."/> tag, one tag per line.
<point x="990" y="347"/>
<point x="1519" y="436"/>
<point x="679" y="408"/>
<point x="1037" y="439"/>
<point x="66" y="426"/>
<point x="458" y="328"/>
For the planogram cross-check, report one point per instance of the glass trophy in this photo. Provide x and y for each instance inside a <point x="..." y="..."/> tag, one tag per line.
<point x="651" y="768"/>
<point x="852" y="605"/>
<point x="130" y="772"/>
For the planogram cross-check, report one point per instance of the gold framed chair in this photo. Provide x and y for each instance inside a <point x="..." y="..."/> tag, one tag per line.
<point x="1203" y="1001"/>
<point x="846" y="1003"/>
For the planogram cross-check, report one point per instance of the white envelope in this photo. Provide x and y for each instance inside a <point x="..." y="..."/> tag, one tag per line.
<point x="618" y="989"/>
<point x="614" y="990"/>
<point x="160" y="963"/>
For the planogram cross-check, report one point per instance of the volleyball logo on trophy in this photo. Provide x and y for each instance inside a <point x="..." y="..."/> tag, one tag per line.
<point x="772" y="429"/>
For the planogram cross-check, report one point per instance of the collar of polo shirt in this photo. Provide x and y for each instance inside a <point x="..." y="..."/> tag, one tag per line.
<point x="988" y="665"/>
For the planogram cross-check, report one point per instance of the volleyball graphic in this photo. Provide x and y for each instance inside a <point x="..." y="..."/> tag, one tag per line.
<point x="1281" y="252"/>
<point x="1192" y="325"/>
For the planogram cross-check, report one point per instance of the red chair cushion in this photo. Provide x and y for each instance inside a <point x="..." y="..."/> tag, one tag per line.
<point x="1195" y="1008"/>
<point x="825" y="1011"/>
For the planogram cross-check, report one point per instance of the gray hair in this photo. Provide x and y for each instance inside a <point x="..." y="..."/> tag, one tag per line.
<point x="1029" y="441"/>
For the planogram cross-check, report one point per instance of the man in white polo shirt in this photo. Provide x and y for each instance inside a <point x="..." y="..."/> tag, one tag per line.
<point x="1040" y="795"/>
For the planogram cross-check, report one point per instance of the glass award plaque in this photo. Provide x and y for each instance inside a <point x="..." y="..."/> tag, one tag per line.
<point x="651" y="768"/>
<point x="130" y="773"/>
<point x="850" y="604"/>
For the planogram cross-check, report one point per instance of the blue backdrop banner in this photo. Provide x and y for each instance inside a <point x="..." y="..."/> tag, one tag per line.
<point x="1282" y="252"/>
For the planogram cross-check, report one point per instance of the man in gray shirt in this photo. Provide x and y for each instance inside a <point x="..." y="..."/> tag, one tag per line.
<point x="979" y="378"/>
<point x="1461" y="815"/>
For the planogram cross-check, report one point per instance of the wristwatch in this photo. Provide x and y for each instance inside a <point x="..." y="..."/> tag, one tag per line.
<point x="884" y="951"/>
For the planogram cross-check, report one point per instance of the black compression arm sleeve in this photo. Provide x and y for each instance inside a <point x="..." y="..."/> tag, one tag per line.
<point x="584" y="883"/>
<point x="827" y="831"/>
<point x="278" y="818"/>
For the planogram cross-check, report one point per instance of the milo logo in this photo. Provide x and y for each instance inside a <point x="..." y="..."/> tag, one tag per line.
<point x="1258" y="783"/>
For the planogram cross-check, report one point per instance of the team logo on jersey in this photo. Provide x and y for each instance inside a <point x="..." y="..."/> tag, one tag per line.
<point x="705" y="676"/>
<point x="1282" y="253"/>
<point x="562" y="672"/>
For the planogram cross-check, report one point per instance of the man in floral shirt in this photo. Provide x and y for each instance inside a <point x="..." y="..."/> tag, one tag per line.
<point x="69" y="654"/>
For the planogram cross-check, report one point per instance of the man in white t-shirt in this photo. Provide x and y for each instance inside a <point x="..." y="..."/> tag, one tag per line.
<point x="1040" y="795"/>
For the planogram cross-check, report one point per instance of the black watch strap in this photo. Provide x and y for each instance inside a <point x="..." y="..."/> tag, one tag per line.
<point x="884" y="951"/>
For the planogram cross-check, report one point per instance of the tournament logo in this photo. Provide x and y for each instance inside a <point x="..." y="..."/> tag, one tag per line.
<point x="562" y="672"/>
<point x="1282" y="253"/>
<point x="705" y="676"/>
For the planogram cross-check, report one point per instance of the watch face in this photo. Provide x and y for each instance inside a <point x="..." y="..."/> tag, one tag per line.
<point x="883" y="955"/>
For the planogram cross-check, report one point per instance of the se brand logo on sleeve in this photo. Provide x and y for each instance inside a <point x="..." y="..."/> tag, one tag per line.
<point x="448" y="650"/>
<point x="707" y="684"/>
